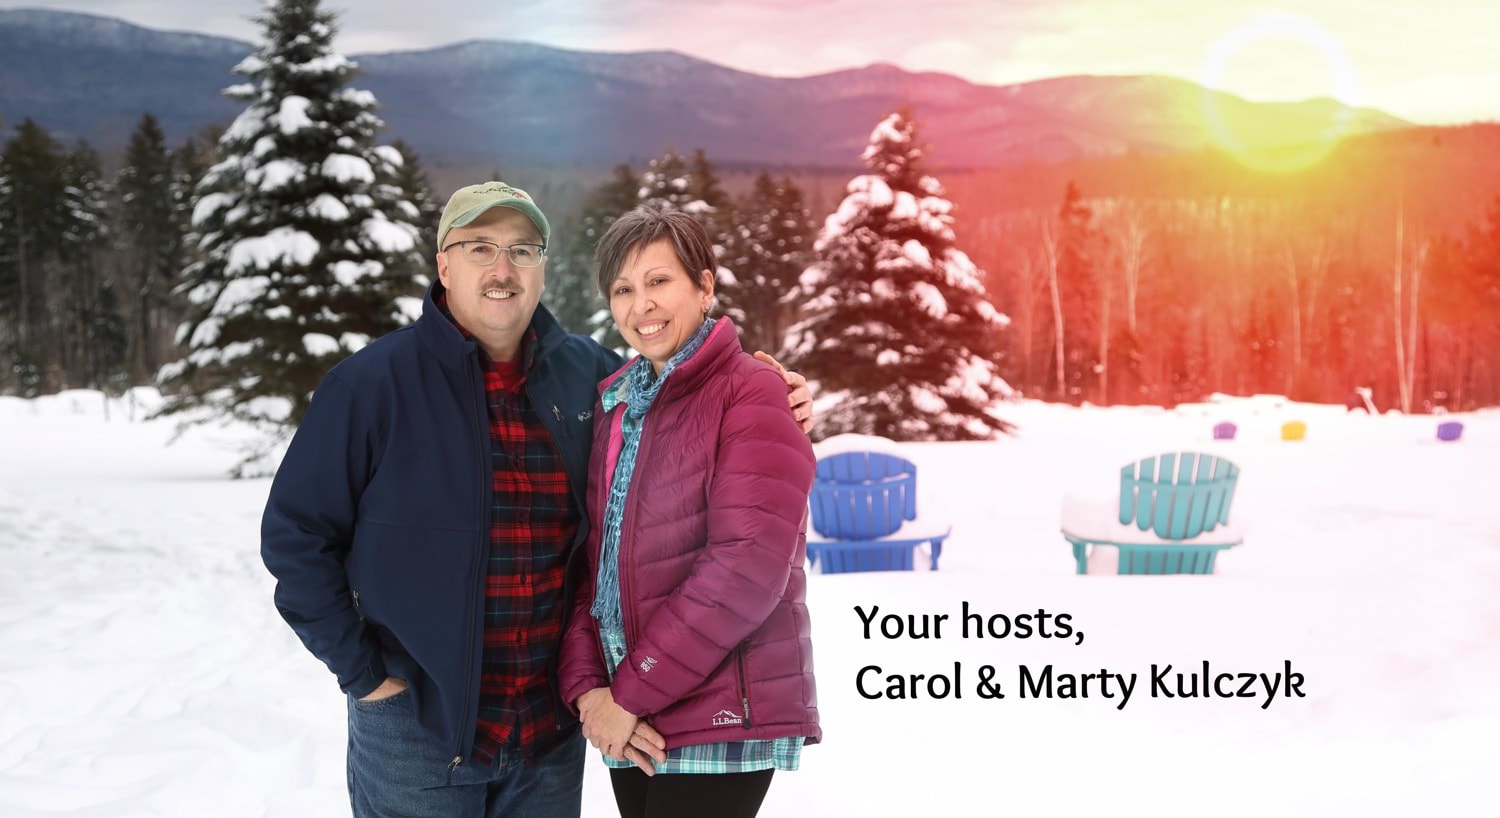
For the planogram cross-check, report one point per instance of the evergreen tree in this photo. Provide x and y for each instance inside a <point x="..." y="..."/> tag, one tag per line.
<point x="84" y="256"/>
<point x="898" y="330"/>
<point x="104" y="328"/>
<point x="307" y="246"/>
<point x="9" y="285"/>
<point x="1078" y="288"/>
<point x="716" y="210"/>
<point x="667" y="181"/>
<point x="33" y="216"/>
<point x="425" y="210"/>
<point x="769" y="247"/>
<point x="572" y="286"/>
<point x="150" y="240"/>
<point x="692" y="186"/>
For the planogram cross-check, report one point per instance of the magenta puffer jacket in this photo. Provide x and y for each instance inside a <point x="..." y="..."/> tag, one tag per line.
<point x="712" y="545"/>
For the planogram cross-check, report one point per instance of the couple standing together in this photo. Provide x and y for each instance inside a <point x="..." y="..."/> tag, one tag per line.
<point x="503" y="542"/>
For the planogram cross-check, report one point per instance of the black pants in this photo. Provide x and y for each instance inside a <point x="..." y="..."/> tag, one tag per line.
<point x="730" y="795"/>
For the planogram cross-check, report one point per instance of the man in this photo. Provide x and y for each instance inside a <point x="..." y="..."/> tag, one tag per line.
<point x="423" y="527"/>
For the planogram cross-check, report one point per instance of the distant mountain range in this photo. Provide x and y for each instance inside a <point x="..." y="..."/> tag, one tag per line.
<point x="83" y="76"/>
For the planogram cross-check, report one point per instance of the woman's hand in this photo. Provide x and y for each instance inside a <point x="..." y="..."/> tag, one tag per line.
<point x="616" y="731"/>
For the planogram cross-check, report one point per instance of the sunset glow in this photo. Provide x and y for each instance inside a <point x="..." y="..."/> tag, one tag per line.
<point x="1287" y="57"/>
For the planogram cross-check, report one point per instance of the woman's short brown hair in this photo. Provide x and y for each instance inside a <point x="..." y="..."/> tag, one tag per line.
<point x="646" y="224"/>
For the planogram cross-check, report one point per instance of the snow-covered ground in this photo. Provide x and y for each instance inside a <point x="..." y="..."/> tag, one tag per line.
<point x="144" y="671"/>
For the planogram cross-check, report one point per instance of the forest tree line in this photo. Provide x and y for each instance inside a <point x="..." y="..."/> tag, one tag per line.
<point x="1131" y="279"/>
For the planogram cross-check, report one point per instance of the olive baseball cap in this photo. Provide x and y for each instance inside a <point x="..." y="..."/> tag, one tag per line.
<point x="469" y="203"/>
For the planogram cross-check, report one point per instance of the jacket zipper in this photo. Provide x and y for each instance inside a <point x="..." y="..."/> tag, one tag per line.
<point x="627" y="578"/>
<point x="632" y="499"/>
<point x="485" y="480"/>
<point x="744" y="686"/>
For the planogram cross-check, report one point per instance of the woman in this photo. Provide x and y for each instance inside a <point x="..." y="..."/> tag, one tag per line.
<point x="688" y="654"/>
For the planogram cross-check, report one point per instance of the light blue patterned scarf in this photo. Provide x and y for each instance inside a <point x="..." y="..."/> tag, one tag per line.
<point x="638" y="391"/>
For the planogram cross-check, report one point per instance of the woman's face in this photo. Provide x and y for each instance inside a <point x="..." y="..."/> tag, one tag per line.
<point x="655" y="302"/>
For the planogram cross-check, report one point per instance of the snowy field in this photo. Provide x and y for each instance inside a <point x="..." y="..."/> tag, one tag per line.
<point x="144" y="671"/>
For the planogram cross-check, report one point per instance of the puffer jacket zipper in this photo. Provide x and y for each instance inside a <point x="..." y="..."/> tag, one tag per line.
<point x="627" y="573"/>
<point x="739" y="654"/>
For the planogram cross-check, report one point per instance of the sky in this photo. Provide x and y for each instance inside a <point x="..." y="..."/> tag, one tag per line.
<point x="1430" y="62"/>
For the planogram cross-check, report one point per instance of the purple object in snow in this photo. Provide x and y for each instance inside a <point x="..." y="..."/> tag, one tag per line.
<point x="1450" y="431"/>
<point x="1224" y="431"/>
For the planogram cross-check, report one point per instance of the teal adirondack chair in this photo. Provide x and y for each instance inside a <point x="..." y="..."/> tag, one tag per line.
<point x="1172" y="516"/>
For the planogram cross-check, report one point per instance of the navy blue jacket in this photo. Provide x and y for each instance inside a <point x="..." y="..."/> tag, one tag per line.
<point x="378" y="520"/>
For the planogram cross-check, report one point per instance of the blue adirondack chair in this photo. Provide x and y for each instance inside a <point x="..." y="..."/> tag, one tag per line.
<point x="864" y="515"/>
<point x="1172" y="516"/>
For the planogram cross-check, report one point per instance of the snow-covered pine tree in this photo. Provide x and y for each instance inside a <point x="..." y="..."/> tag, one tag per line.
<point x="666" y="180"/>
<point x="308" y="249"/>
<point x="898" y="332"/>
<point x="411" y="177"/>
<point x="572" y="287"/>
<point x="769" y="246"/>
<point x="692" y="186"/>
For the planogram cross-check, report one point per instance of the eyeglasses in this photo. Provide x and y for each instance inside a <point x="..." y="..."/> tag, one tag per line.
<point x="485" y="253"/>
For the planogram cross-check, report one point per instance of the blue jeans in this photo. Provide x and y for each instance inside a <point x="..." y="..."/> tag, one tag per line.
<point x="397" y="770"/>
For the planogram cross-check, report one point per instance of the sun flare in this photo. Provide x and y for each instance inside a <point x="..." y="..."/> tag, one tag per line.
<point x="1281" y="57"/>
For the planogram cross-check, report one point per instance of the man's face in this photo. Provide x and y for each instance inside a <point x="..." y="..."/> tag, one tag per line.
<point x="494" y="303"/>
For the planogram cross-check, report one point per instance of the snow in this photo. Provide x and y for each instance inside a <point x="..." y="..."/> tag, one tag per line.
<point x="250" y="65"/>
<point x="239" y="293"/>
<point x="208" y="205"/>
<point x="146" y="672"/>
<point x="362" y="98"/>
<point x="317" y="344"/>
<point x="346" y="168"/>
<point x="326" y="64"/>
<point x="354" y="341"/>
<point x="206" y="332"/>
<point x="349" y="273"/>
<point x="887" y="132"/>
<point x="328" y="207"/>
<point x="247" y="124"/>
<point x="930" y="299"/>
<point x="389" y="236"/>
<point x="409" y="307"/>
<point x="905" y="207"/>
<point x="263" y="251"/>
<point x="276" y="174"/>
<point x="927" y="402"/>
<point x="917" y="252"/>
<point x="390" y="155"/>
<point x="293" y="114"/>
